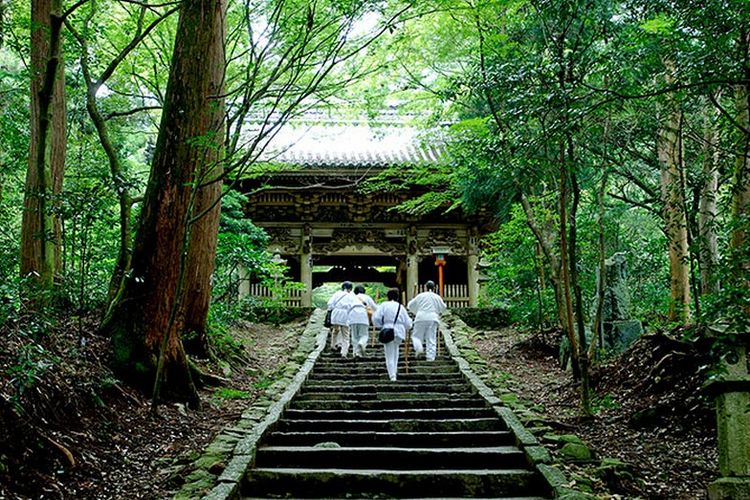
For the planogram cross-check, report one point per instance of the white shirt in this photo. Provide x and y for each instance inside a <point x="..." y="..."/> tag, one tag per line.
<point x="340" y="303"/>
<point x="385" y="315"/>
<point x="358" y="312"/>
<point x="427" y="306"/>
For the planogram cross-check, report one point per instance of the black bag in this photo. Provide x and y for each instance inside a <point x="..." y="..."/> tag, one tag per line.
<point x="327" y="322"/>
<point x="386" y="335"/>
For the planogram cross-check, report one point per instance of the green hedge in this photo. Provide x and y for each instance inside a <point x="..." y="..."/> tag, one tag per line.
<point x="484" y="317"/>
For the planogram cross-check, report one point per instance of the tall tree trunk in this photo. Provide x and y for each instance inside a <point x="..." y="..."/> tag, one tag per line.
<point x="201" y="260"/>
<point x="597" y="330"/>
<point x="2" y="22"/>
<point x="541" y="284"/>
<point x="204" y="236"/>
<point x="565" y="263"/>
<point x="41" y="230"/>
<point x="583" y="359"/>
<point x="739" y="241"/>
<point x="544" y="241"/>
<point x="145" y="321"/>
<point x="673" y="197"/>
<point x="709" y="253"/>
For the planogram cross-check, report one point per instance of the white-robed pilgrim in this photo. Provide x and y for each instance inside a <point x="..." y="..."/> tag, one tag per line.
<point x="427" y="308"/>
<point x="392" y="314"/>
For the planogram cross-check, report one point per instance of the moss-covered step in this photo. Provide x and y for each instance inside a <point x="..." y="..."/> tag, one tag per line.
<point x="376" y="386"/>
<point x="354" y="404"/>
<point x="445" y="412"/>
<point x="347" y="483"/>
<point x="449" y="377"/>
<point x="417" y="439"/>
<point x="405" y="425"/>
<point x="403" y="458"/>
<point x="381" y="396"/>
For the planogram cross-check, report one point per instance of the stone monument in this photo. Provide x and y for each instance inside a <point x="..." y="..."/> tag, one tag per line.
<point x="619" y="329"/>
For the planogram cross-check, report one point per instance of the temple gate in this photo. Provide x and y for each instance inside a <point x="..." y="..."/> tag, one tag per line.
<point x="319" y="217"/>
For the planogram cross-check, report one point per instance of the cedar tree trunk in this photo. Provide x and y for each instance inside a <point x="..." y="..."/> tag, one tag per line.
<point x="739" y="244"/>
<point x="40" y="232"/>
<point x="201" y="260"/>
<point x="142" y="317"/>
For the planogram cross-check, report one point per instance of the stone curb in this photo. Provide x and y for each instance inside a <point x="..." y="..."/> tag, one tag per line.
<point x="237" y="443"/>
<point x="536" y="454"/>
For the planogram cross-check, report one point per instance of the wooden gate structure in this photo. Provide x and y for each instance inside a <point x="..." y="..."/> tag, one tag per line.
<point x="329" y="228"/>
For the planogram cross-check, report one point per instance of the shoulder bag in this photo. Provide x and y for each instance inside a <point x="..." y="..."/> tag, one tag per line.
<point x="327" y="322"/>
<point x="386" y="335"/>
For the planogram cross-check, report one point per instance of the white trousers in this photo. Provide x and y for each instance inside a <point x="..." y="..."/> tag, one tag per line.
<point x="340" y="338"/>
<point x="360" y="336"/>
<point x="425" y="332"/>
<point x="391" y="357"/>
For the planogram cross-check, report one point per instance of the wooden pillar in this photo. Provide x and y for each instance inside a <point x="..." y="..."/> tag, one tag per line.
<point x="472" y="274"/>
<point x="306" y="266"/>
<point x="412" y="263"/>
<point x="473" y="279"/>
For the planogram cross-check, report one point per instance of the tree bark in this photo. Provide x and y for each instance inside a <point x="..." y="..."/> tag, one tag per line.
<point x="739" y="244"/>
<point x="41" y="231"/>
<point x="583" y="358"/>
<point x="2" y="23"/>
<point x="146" y="318"/>
<point x="668" y="144"/>
<point x="709" y="252"/>
<point x="202" y="258"/>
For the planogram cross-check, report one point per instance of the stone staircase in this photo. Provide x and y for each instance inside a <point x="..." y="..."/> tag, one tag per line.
<point x="351" y="433"/>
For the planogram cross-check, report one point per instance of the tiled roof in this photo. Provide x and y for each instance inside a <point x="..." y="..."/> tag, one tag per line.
<point x="352" y="145"/>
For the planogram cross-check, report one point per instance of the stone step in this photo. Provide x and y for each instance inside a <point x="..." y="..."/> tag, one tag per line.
<point x="418" y="498"/>
<point x="380" y="361"/>
<point x="380" y="371"/>
<point x="373" y="356"/>
<point x="379" y="483"/>
<point x="387" y="386"/>
<point x="318" y="395"/>
<point x="390" y="457"/>
<point x="368" y="360"/>
<point x="418" y="439"/>
<point x="403" y="379"/>
<point x="379" y="367"/>
<point x="383" y="376"/>
<point x="377" y="348"/>
<point x="388" y="414"/>
<point x="353" y="404"/>
<point x="393" y="425"/>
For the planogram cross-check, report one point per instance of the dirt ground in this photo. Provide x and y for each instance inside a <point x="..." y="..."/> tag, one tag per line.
<point x="649" y="412"/>
<point x="117" y="448"/>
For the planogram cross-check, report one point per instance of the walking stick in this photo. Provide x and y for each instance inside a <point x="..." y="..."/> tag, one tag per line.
<point x="438" y="342"/>
<point x="406" y="352"/>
